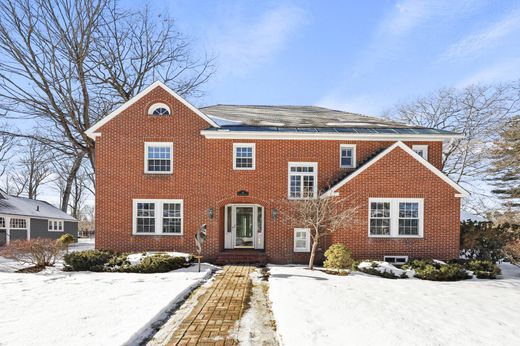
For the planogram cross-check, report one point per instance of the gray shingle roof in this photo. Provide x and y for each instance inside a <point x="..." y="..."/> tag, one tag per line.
<point x="294" y="116"/>
<point x="30" y="207"/>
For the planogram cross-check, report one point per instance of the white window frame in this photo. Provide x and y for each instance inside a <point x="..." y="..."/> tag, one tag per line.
<point x="348" y="146"/>
<point x="147" y="145"/>
<point x="159" y="203"/>
<point x="315" y="174"/>
<point x="159" y="105"/>
<point x="307" y="247"/>
<point x="8" y="228"/>
<point x="58" y="223"/>
<point x="394" y="217"/>
<point x="244" y="145"/>
<point x="422" y="147"/>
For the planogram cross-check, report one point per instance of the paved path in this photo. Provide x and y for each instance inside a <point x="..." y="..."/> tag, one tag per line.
<point x="217" y="311"/>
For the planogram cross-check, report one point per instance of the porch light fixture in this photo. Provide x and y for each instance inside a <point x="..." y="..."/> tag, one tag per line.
<point x="274" y="213"/>
<point x="210" y="213"/>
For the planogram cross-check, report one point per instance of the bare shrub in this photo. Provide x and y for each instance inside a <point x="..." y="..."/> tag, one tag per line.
<point x="512" y="251"/>
<point x="36" y="252"/>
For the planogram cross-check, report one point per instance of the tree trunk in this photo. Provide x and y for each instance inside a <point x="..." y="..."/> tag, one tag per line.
<point x="70" y="180"/>
<point x="313" y="253"/>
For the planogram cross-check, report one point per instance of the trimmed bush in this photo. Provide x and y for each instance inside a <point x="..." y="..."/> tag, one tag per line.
<point x="66" y="240"/>
<point x="483" y="269"/>
<point x="87" y="260"/>
<point x="442" y="272"/>
<point x="338" y="257"/>
<point x="158" y="263"/>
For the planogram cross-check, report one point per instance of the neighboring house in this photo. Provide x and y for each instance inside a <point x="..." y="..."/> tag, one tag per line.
<point x="164" y="167"/>
<point x="24" y="218"/>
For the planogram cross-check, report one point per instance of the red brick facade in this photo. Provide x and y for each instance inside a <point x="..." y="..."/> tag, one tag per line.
<point x="203" y="177"/>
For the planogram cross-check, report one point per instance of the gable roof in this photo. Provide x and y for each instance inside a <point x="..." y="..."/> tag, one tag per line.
<point x="333" y="190"/>
<point x="11" y="205"/>
<point x="293" y="116"/>
<point x="91" y="132"/>
<point x="310" y="123"/>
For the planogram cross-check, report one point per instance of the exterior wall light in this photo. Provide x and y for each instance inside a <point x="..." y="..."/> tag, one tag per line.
<point x="274" y="213"/>
<point x="210" y="213"/>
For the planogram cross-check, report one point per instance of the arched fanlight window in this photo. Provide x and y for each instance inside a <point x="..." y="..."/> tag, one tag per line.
<point x="159" y="109"/>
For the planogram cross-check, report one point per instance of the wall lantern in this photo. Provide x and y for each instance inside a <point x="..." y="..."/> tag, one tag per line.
<point x="210" y="213"/>
<point x="274" y="213"/>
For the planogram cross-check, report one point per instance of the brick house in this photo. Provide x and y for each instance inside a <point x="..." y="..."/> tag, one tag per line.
<point x="164" y="168"/>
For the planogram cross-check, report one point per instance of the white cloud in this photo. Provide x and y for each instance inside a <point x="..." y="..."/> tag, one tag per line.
<point x="502" y="71"/>
<point x="362" y="103"/>
<point x="477" y="42"/>
<point x="243" y="43"/>
<point x="410" y="14"/>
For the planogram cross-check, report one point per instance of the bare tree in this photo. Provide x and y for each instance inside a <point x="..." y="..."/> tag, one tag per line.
<point x="33" y="170"/>
<point x="477" y="111"/>
<point x="68" y="63"/>
<point x="7" y="142"/>
<point x="322" y="216"/>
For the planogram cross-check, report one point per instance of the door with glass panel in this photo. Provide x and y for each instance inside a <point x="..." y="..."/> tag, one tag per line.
<point x="244" y="226"/>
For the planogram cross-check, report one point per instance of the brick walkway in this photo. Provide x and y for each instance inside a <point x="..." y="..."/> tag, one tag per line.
<point x="217" y="311"/>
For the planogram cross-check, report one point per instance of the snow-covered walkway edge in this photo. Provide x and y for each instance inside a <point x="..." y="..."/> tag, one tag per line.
<point x="311" y="307"/>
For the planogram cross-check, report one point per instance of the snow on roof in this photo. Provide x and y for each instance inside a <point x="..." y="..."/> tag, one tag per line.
<point x="295" y="116"/>
<point x="22" y="206"/>
<point x="466" y="215"/>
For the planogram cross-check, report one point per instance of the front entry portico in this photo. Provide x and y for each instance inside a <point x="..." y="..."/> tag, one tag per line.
<point x="244" y="226"/>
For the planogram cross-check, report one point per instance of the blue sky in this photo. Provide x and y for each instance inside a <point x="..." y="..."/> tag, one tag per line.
<point x="362" y="56"/>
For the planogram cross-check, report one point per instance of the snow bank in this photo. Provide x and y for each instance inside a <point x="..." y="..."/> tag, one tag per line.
<point x="82" y="308"/>
<point x="136" y="258"/>
<point x="314" y="308"/>
<point x="382" y="267"/>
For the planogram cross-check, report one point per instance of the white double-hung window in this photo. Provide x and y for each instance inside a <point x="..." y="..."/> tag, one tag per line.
<point x="55" y="225"/>
<point x="347" y="156"/>
<point x="303" y="180"/>
<point x="396" y="217"/>
<point x="158" y="217"/>
<point x="244" y="156"/>
<point x="158" y="157"/>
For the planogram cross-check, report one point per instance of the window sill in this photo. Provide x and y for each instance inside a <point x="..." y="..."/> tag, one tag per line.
<point x="347" y="167"/>
<point x="55" y="231"/>
<point x="301" y="251"/>
<point x="244" y="169"/>
<point x="158" y="173"/>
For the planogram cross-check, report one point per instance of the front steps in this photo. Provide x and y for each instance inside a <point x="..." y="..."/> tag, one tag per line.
<point x="241" y="257"/>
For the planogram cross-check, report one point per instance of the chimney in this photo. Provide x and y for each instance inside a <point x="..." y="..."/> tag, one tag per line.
<point x="37" y="208"/>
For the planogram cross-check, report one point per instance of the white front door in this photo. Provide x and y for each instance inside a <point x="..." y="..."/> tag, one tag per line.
<point x="244" y="226"/>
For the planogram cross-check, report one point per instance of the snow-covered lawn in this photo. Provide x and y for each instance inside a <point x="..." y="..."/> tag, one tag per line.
<point x="82" y="308"/>
<point x="314" y="308"/>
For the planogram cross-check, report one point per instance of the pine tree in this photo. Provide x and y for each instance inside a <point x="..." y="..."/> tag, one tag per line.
<point x="505" y="166"/>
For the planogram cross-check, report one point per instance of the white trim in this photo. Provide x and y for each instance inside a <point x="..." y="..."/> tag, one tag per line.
<point x="332" y="191"/>
<point x="244" y="145"/>
<point x="226" y="134"/>
<point x="158" y="211"/>
<point x="153" y="107"/>
<point x="307" y="240"/>
<point x="423" y="147"/>
<point x="7" y="228"/>
<point x="354" y="160"/>
<point x="394" y="217"/>
<point x="91" y="132"/>
<point x="59" y="222"/>
<point x="258" y="237"/>
<point x="315" y="174"/>
<point x="147" y="145"/>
